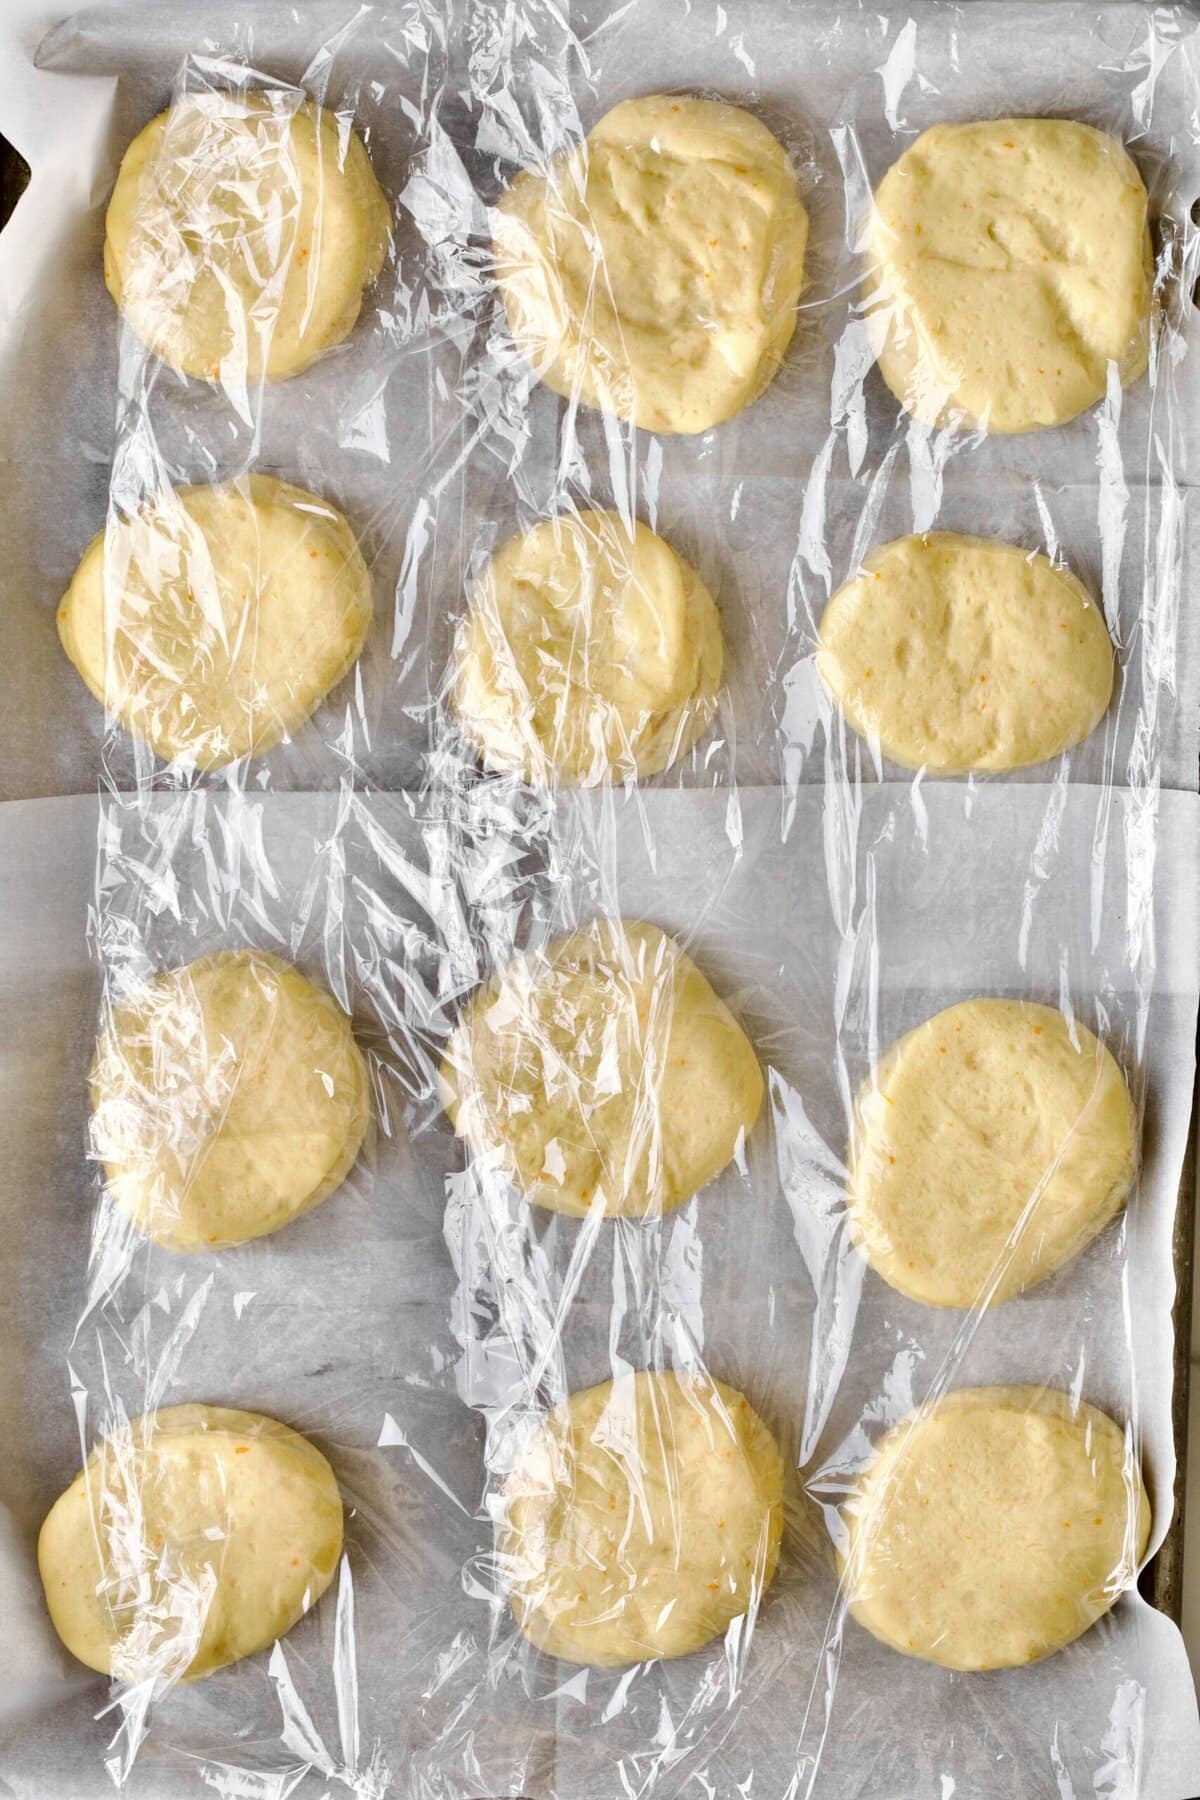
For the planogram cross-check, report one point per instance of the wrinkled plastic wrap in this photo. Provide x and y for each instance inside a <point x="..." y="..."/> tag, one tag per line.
<point x="420" y="1321"/>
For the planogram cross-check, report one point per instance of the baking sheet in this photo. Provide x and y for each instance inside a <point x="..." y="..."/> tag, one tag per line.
<point x="811" y="891"/>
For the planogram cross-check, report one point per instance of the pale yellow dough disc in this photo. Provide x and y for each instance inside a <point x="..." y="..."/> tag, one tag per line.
<point x="654" y="270"/>
<point x="1010" y="268"/>
<point x="241" y="234"/>
<point x="996" y="1529"/>
<point x="603" y="1071"/>
<point x="961" y="653"/>
<point x="643" y="1517"/>
<point x="986" y="1110"/>
<point x="193" y="1537"/>
<point x="213" y="622"/>
<point x="589" y="650"/>
<point x="228" y="1097"/>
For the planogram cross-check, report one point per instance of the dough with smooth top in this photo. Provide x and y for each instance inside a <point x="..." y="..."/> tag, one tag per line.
<point x="642" y="1518"/>
<point x="1010" y="268"/>
<point x="214" y="621"/>
<point x="228" y="1097"/>
<point x="961" y="653"/>
<point x="590" y="650"/>
<point x="654" y="270"/>
<point x="603" y="1071"/>
<point x="241" y="234"/>
<point x="987" y="1109"/>
<point x="996" y="1529"/>
<point x="193" y="1537"/>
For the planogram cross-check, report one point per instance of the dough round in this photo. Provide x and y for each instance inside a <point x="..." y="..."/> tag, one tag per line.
<point x="241" y="234"/>
<point x="1010" y="267"/>
<point x="654" y="270"/>
<point x="214" y="621"/>
<point x="986" y="1109"/>
<point x="995" y="1529"/>
<point x="193" y="1537"/>
<point x="642" y="1518"/>
<point x="228" y="1098"/>
<point x="963" y="653"/>
<point x="588" y="651"/>
<point x="603" y="1070"/>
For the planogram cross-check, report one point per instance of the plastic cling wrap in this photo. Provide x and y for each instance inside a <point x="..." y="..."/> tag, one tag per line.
<point x="601" y="863"/>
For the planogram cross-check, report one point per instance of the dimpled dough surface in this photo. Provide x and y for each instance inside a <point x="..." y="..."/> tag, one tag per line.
<point x="1011" y="266"/>
<point x="962" y="653"/>
<point x="196" y="1536"/>
<point x="241" y="234"/>
<point x="588" y="650"/>
<point x="995" y="1530"/>
<point x="984" y="1109"/>
<point x="213" y="622"/>
<point x="654" y="270"/>
<point x="228" y="1097"/>
<point x="643" y="1518"/>
<point x="603" y="1070"/>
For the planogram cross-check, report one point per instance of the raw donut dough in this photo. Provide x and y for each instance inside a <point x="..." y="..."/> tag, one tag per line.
<point x="654" y="270"/>
<point x="228" y="1097"/>
<point x="962" y="1123"/>
<point x="193" y="1537"/>
<point x="996" y="1529"/>
<point x="603" y="1070"/>
<point x="962" y="653"/>
<point x="1010" y="266"/>
<point x="588" y="650"/>
<point x="214" y="621"/>
<point x="641" y="1519"/>
<point x="241" y="234"/>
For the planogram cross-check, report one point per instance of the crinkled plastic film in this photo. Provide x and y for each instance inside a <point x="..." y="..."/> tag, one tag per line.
<point x="421" y="1321"/>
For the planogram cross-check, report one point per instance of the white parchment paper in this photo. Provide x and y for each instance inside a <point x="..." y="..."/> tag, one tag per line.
<point x="832" y="901"/>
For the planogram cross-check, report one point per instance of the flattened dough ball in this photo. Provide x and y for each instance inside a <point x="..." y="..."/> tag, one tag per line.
<point x="193" y="1537"/>
<point x="589" y="650"/>
<point x="603" y="1070"/>
<point x="961" y="653"/>
<point x="996" y="1529"/>
<point x="986" y="1110"/>
<point x="228" y="1097"/>
<point x="1010" y="268"/>
<point x="654" y="270"/>
<point x="642" y="1518"/>
<point x="214" y="621"/>
<point x="241" y="234"/>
